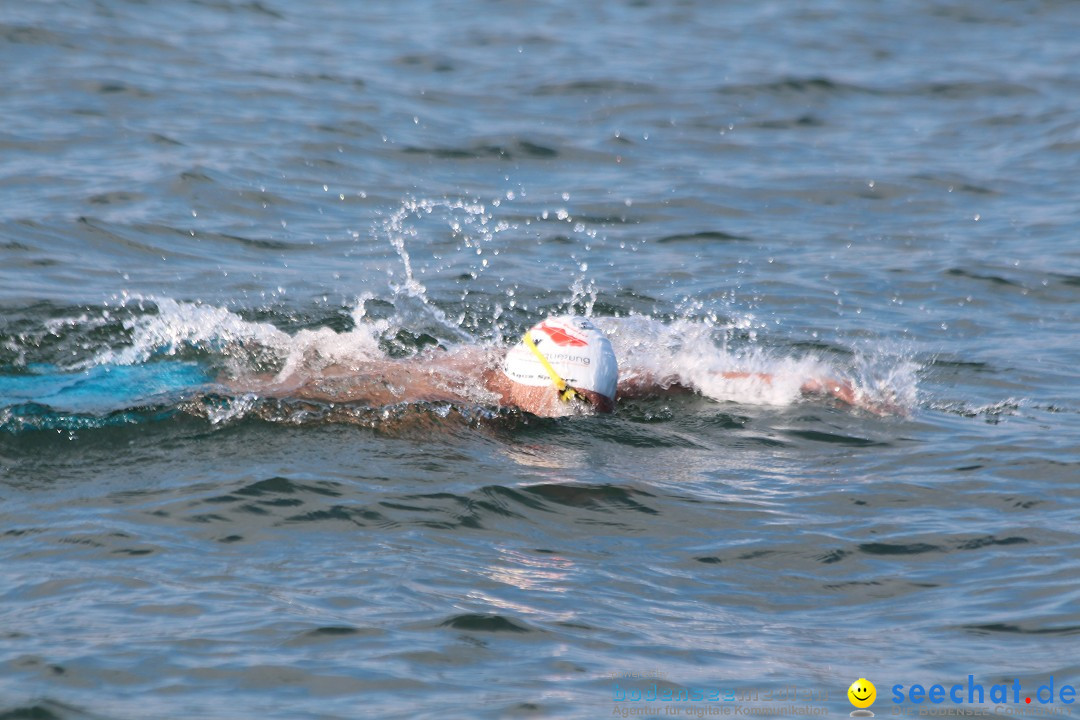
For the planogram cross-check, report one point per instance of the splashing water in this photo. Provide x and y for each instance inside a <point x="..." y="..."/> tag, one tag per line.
<point x="691" y="352"/>
<point x="688" y="352"/>
<point x="692" y="347"/>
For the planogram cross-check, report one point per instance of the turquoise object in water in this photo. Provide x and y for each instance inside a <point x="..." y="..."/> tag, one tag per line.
<point x="102" y="389"/>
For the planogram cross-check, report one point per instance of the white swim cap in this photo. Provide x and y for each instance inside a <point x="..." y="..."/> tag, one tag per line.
<point x="576" y="350"/>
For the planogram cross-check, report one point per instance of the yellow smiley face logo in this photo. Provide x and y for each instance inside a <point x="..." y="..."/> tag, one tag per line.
<point x="862" y="693"/>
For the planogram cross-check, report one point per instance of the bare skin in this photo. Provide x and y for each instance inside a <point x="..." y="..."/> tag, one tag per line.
<point x="649" y="386"/>
<point x="473" y="376"/>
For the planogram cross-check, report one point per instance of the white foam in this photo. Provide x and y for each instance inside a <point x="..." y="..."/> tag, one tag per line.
<point x="238" y="407"/>
<point x="691" y="352"/>
<point x="695" y="354"/>
<point x="177" y="325"/>
<point x="311" y="350"/>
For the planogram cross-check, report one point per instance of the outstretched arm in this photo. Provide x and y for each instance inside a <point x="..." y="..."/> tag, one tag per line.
<point x="438" y="377"/>
<point x="848" y="394"/>
<point x="642" y="385"/>
<point x="637" y="384"/>
<point x="645" y="384"/>
<point x="842" y="390"/>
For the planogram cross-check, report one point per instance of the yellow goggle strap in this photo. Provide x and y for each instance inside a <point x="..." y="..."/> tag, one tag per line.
<point x="566" y="393"/>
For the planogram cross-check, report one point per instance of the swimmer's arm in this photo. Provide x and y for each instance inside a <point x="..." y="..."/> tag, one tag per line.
<point x="842" y="390"/>
<point x="381" y="382"/>
<point x="638" y="384"/>
<point x="643" y="385"/>
<point x="846" y="393"/>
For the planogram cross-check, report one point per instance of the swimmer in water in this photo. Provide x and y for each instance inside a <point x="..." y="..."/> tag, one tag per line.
<point x="562" y="366"/>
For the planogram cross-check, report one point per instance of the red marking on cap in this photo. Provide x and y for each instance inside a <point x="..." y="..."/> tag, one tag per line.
<point x="561" y="337"/>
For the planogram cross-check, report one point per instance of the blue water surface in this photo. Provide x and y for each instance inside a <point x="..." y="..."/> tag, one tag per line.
<point x="204" y="190"/>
